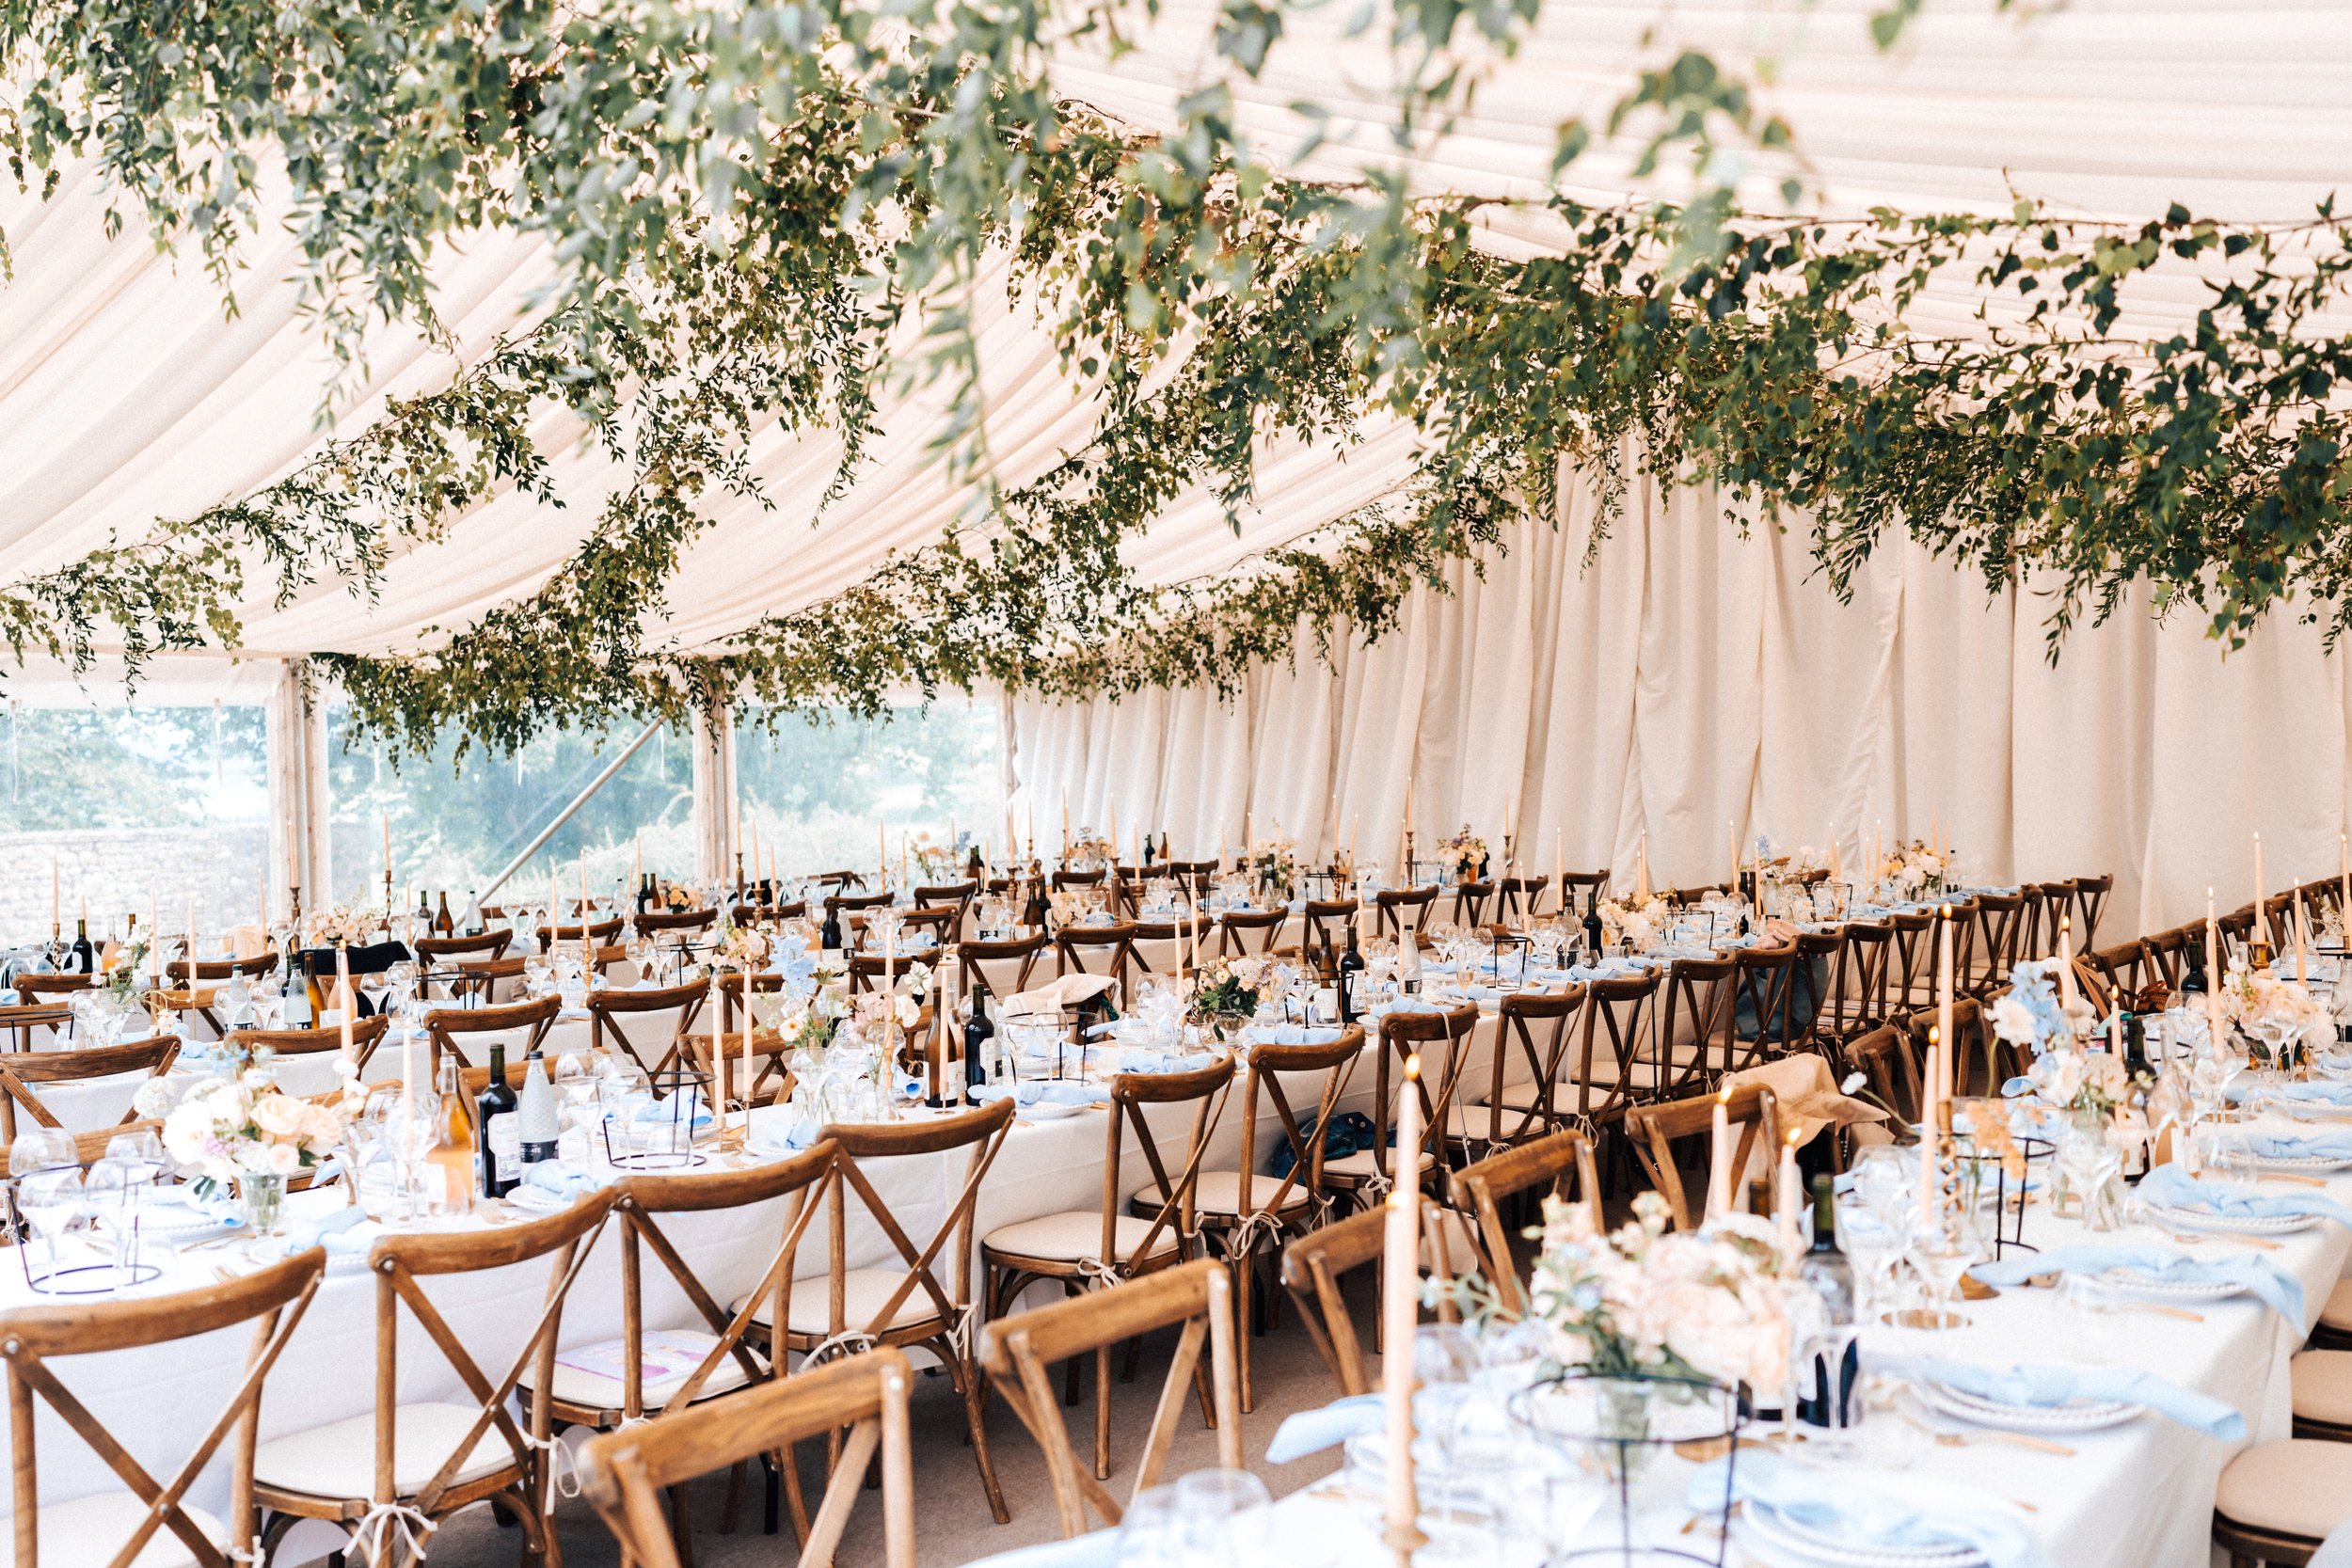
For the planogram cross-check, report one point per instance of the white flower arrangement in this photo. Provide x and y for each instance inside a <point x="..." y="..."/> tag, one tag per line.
<point x="344" y="924"/>
<point x="2066" y="1071"/>
<point x="1274" y="866"/>
<point x="740" y="947"/>
<point x="2250" y="1002"/>
<point x="1647" y="1301"/>
<point x="1086" y="852"/>
<point x="1913" y="869"/>
<point x="238" y="1125"/>
<point x="936" y="862"/>
<point x="1465" y="852"/>
<point x="1636" y="925"/>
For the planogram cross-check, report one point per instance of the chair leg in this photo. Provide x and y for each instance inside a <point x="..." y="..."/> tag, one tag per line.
<point x="1102" y="1411"/>
<point x="1245" y="1293"/>
<point x="733" y="1510"/>
<point x="973" y="1385"/>
<point x="682" y="1525"/>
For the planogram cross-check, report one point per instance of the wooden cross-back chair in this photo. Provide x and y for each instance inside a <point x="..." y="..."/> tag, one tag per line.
<point x="2119" y="968"/>
<point x="176" y="976"/>
<point x="444" y="952"/>
<point x="367" y="1033"/>
<point x="601" y="932"/>
<point x="2004" y="927"/>
<point x="1516" y="898"/>
<point x="1441" y="1039"/>
<point x="937" y="921"/>
<point x="605" y="1386"/>
<point x="1315" y="1268"/>
<point x="1084" y="1249"/>
<point x="1817" y="962"/>
<point x="148" y="1520"/>
<point x="1068" y="878"/>
<point x="1323" y="926"/>
<point x="1403" y="912"/>
<point x="1001" y="969"/>
<point x="446" y="1026"/>
<point x="1471" y="900"/>
<point x="608" y="1007"/>
<point x="1859" y="989"/>
<point x="404" y="1466"/>
<point x="1914" y="978"/>
<point x="22" y="1072"/>
<point x="625" y="1474"/>
<point x="957" y="896"/>
<point x="1482" y="1187"/>
<point x="1017" y="1350"/>
<point x="1884" y="1058"/>
<point x="1981" y="1062"/>
<point x="1698" y="1009"/>
<point x="1098" y="950"/>
<point x="1248" y="933"/>
<point x="846" y="907"/>
<point x="2043" y="905"/>
<point x="659" y="923"/>
<point x="772" y="1067"/>
<point x="2091" y="901"/>
<point x="1765" y="988"/>
<point x="34" y="986"/>
<point x="1617" y="1063"/>
<point x="1654" y="1129"/>
<point x="24" y="1018"/>
<point x="904" y="1302"/>
<point x="1534" y="1031"/>
<point x="2163" y="957"/>
<point x="1247" y="1211"/>
<point x="485" y="982"/>
<point x="1580" y="891"/>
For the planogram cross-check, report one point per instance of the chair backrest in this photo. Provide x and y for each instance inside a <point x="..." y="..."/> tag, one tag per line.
<point x="1017" y="1349"/>
<point x="1098" y="950"/>
<point x="1403" y="908"/>
<point x="1313" y="1266"/>
<point x="1537" y="1029"/>
<point x="650" y="921"/>
<point x="33" y="988"/>
<point x="1404" y="1035"/>
<point x="221" y="968"/>
<point x="1617" y="1015"/>
<point x="1469" y="902"/>
<point x="20" y="1071"/>
<point x="607" y="1006"/>
<point x="1884" y="1058"/>
<point x="1915" y="955"/>
<point x="627" y="1473"/>
<point x="22" y="1017"/>
<point x="273" y="1299"/>
<point x="643" y="1199"/>
<point x="980" y="1133"/>
<point x="2091" y="900"/>
<point x="1766" y="987"/>
<point x="1653" y="1130"/>
<point x="1078" y="878"/>
<point x="443" y="1026"/>
<point x="1866" y="961"/>
<point x="1482" y="1187"/>
<point x="2119" y="968"/>
<point x="1582" y="890"/>
<point x="1249" y="933"/>
<point x="482" y="945"/>
<point x="365" y="1034"/>
<point x="400" y="1260"/>
<point x="2162" y="955"/>
<point x="599" y="932"/>
<point x="1001" y="969"/>
<point x="1518" y="897"/>
<point x="1322" y="925"/>
<point x="1700" y="1006"/>
<point x="1269" y="1065"/>
<point x="1172" y="1185"/>
<point x="2002" y="928"/>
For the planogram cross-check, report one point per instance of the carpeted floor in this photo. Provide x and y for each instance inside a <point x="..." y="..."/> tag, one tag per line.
<point x="952" y="1523"/>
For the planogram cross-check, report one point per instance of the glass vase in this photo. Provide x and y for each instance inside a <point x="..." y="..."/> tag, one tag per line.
<point x="263" y="1196"/>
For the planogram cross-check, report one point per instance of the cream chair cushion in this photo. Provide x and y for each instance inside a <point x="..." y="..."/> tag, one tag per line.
<point x="88" y="1532"/>
<point x="589" y="1375"/>
<point x="338" y="1460"/>
<point x="1466" y="1123"/>
<point x="1359" y="1166"/>
<point x="2322" y="1381"/>
<point x="1218" y="1192"/>
<point x="2337" y="1314"/>
<point x="2300" y="1486"/>
<point x="809" y="1308"/>
<point x="1077" y="1234"/>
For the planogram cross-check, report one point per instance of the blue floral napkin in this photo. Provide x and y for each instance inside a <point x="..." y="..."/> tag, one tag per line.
<point x="2174" y="1188"/>
<point x="2279" y="1290"/>
<point x="1881" y="1512"/>
<point x="2047" y="1385"/>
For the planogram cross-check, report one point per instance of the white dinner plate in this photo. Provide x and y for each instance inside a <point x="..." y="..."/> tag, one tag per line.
<point x="1775" y="1529"/>
<point x="2232" y="1225"/>
<point x="2136" y="1283"/>
<point x="2074" y="1416"/>
<point x="1050" y="1110"/>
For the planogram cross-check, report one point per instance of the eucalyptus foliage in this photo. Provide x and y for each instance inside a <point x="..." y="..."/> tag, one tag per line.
<point x="749" y="206"/>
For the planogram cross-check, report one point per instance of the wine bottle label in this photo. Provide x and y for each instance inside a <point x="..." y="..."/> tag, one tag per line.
<point x="506" y="1147"/>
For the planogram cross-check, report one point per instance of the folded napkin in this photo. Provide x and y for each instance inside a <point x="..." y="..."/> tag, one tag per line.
<point x="553" y="1176"/>
<point x="1046" y="1091"/>
<point x="650" y="1109"/>
<point x="2174" y="1188"/>
<point x="1313" y="1431"/>
<point x="1166" y="1061"/>
<point x="1407" y="1004"/>
<point x="2299" y="1146"/>
<point x="335" y="1227"/>
<point x="1068" y="991"/>
<point x="2045" y="1385"/>
<point x="1885" y="1511"/>
<point x="2278" y="1290"/>
<point x="1608" y="969"/>
<point x="1807" y="1095"/>
<point x="1289" y="1033"/>
<point x="2317" y="1092"/>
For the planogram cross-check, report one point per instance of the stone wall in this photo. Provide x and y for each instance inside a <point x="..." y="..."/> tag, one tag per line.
<point x="124" y="869"/>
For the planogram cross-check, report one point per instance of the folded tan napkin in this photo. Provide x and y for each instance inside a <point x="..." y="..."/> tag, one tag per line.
<point x="1068" y="991"/>
<point x="1809" y="1096"/>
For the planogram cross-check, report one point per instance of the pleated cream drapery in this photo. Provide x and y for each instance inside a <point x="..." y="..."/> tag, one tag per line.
<point x="1693" y="683"/>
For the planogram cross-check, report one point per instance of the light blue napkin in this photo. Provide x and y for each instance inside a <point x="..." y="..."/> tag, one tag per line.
<point x="650" y="1109"/>
<point x="2174" y="1188"/>
<point x="1841" y="1503"/>
<point x="2324" y="1145"/>
<point x="2045" y="1385"/>
<point x="1166" y="1061"/>
<point x="1407" y="1004"/>
<point x="1290" y="1033"/>
<point x="2316" y="1091"/>
<point x="326" y="1228"/>
<point x="2278" y="1290"/>
<point x="1313" y="1431"/>
<point x="553" y="1176"/>
<point x="1050" y="1091"/>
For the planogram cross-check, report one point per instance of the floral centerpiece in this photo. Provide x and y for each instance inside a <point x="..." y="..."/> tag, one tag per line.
<point x="678" y="898"/>
<point x="740" y="946"/>
<point x="2272" y="1015"/>
<point x="241" y="1128"/>
<point x="1227" y="996"/>
<point x="1912" y="869"/>
<point x="1465" y="854"/>
<point x="1088" y="853"/>
<point x="1646" y="1302"/>
<point x="935" y="861"/>
<point x="1274" y="868"/>
<point x="2067" y="1074"/>
<point x="1636" y="925"/>
<point x="345" y="927"/>
<point x="128" y="962"/>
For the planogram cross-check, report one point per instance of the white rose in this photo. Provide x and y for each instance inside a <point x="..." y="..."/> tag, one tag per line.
<point x="282" y="1158"/>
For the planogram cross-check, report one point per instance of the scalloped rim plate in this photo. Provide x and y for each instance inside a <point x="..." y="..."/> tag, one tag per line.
<point x="2147" y="1285"/>
<point x="2080" y="1416"/>
<point x="2232" y="1224"/>
<point x="2307" y="1162"/>
<point x="1773" y="1528"/>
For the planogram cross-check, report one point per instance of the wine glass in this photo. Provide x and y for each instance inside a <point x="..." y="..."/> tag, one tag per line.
<point x="112" y="1193"/>
<point x="50" y="1200"/>
<point x="40" y="1149"/>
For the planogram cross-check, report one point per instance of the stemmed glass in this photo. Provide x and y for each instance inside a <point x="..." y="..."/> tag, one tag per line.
<point x="50" y="1200"/>
<point x="112" y="1194"/>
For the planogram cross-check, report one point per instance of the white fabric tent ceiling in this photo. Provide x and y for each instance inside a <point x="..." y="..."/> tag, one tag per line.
<point x="126" y="393"/>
